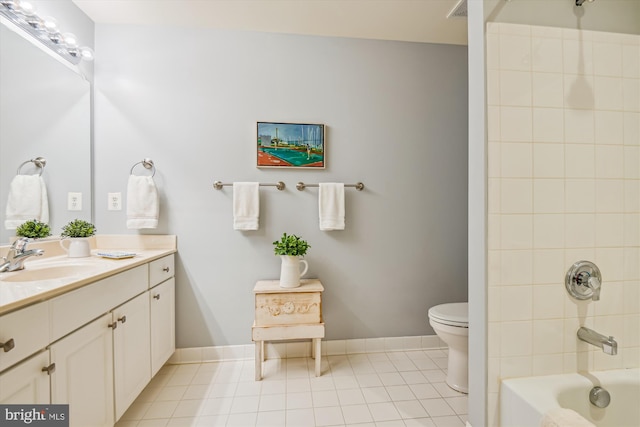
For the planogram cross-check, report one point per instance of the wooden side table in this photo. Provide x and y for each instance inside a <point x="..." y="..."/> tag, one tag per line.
<point x="288" y="314"/>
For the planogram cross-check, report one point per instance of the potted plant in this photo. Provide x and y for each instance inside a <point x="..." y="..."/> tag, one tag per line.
<point x="290" y="248"/>
<point x="77" y="232"/>
<point x="33" y="229"/>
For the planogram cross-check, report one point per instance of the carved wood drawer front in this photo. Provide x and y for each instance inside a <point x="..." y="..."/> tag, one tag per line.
<point x="288" y="308"/>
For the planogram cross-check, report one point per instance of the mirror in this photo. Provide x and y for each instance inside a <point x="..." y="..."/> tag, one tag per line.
<point x="45" y="111"/>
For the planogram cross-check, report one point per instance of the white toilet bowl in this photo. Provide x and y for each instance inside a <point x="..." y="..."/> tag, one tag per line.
<point x="451" y="324"/>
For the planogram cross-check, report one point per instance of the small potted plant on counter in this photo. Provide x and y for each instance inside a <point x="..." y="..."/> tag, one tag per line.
<point x="77" y="232"/>
<point x="33" y="229"/>
<point x="290" y="248"/>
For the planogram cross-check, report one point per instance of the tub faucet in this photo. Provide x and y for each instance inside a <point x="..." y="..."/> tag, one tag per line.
<point x="607" y="344"/>
<point x="17" y="255"/>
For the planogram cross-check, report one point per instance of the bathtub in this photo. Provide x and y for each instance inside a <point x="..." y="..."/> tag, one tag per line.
<point x="524" y="401"/>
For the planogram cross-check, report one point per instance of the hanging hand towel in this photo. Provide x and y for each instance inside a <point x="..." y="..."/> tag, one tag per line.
<point x="562" y="417"/>
<point x="331" y="203"/>
<point x="246" y="205"/>
<point x="27" y="201"/>
<point x="143" y="206"/>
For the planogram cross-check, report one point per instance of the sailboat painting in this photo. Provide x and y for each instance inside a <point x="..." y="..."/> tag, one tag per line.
<point x="290" y="145"/>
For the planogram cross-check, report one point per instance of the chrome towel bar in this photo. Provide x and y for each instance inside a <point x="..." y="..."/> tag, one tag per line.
<point x="301" y="186"/>
<point x="219" y="184"/>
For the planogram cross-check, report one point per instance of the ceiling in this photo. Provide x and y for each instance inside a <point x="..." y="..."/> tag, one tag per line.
<point x="422" y="21"/>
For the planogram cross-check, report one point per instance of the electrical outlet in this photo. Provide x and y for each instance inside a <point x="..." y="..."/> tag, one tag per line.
<point x="74" y="201"/>
<point x="114" y="202"/>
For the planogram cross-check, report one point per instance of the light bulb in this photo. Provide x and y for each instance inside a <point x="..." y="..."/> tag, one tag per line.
<point x="26" y="8"/>
<point x="86" y="53"/>
<point x="50" y="24"/>
<point x="70" y="39"/>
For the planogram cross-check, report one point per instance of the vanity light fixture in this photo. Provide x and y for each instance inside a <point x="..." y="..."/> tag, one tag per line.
<point x="44" y="29"/>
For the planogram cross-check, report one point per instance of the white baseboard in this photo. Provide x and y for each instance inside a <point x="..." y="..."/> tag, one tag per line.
<point x="283" y="350"/>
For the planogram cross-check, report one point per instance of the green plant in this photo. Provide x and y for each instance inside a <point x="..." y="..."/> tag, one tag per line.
<point x="33" y="229"/>
<point x="78" y="228"/>
<point x="291" y="245"/>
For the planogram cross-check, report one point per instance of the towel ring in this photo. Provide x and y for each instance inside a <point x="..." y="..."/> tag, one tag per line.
<point x="40" y="162"/>
<point x="148" y="164"/>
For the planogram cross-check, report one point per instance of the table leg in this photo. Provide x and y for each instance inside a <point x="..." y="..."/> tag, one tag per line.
<point x="262" y="350"/>
<point x="259" y="360"/>
<point x="318" y="354"/>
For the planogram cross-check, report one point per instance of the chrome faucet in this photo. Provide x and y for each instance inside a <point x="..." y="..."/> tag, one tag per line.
<point x="17" y="255"/>
<point x="607" y="344"/>
<point x="592" y="283"/>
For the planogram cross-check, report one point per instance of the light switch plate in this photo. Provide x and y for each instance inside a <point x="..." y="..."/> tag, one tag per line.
<point x="114" y="202"/>
<point x="74" y="201"/>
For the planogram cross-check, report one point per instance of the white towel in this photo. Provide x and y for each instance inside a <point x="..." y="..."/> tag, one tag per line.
<point x="246" y="205"/>
<point x="143" y="204"/>
<point x="562" y="417"/>
<point x="331" y="204"/>
<point x="27" y="201"/>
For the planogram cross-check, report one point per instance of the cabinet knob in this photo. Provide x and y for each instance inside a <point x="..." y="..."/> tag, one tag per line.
<point x="157" y="296"/>
<point x="122" y="319"/>
<point x="165" y="269"/>
<point x="7" y="346"/>
<point x="113" y="325"/>
<point x="49" y="369"/>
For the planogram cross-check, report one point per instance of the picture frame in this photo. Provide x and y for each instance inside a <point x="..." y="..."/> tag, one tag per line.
<point x="290" y="145"/>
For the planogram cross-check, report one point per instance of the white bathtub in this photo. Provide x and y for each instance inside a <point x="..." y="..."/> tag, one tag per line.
<point x="524" y="401"/>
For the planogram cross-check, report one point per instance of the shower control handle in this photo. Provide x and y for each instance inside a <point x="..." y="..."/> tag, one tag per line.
<point x="583" y="281"/>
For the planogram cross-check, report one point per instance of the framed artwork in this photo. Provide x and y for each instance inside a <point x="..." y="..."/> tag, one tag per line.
<point x="290" y="145"/>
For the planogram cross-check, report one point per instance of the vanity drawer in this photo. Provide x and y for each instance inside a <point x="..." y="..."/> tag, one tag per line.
<point x="161" y="270"/>
<point x="79" y="307"/>
<point x="29" y="331"/>
<point x="288" y="308"/>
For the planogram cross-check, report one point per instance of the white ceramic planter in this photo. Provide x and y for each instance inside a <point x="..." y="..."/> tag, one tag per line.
<point x="78" y="247"/>
<point x="290" y="271"/>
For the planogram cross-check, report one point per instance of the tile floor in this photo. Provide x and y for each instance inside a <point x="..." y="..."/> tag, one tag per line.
<point x="403" y="388"/>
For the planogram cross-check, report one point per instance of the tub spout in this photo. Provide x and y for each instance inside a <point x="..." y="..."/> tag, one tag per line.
<point x="607" y="344"/>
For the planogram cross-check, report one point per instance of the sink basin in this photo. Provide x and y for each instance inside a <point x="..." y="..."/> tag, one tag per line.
<point x="47" y="273"/>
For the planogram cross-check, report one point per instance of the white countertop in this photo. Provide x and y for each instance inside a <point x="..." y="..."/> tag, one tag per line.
<point x="18" y="294"/>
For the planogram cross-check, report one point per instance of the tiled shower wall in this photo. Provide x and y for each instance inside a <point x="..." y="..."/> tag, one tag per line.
<point x="564" y="186"/>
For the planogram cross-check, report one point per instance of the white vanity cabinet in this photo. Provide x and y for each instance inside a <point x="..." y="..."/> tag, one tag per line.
<point x="131" y="360"/>
<point x="27" y="382"/>
<point x="83" y="375"/>
<point x="95" y="347"/>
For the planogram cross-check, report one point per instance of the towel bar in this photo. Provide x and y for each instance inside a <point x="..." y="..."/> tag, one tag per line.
<point x="40" y="162"/>
<point x="147" y="163"/>
<point x="279" y="185"/>
<point x="301" y="186"/>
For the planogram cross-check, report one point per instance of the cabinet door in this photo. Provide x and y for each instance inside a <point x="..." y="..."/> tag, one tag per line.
<point x="163" y="323"/>
<point x="26" y="383"/>
<point x="131" y="354"/>
<point x="84" y="374"/>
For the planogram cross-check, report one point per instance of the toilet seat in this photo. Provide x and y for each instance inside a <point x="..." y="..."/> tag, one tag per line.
<point x="453" y="314"/>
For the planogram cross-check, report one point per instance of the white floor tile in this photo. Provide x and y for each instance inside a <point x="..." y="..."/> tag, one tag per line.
<point x="382" y="389"/>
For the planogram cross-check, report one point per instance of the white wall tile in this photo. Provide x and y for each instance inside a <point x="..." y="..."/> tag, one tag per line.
<point x="516" y="303"/>
<point x="609" y="195"/>
<point x="608" y="93"/>
<point x="631" y="264"/>
<point x="547" y="90"/>
<point x="607" y="59"/>
<point x="631" y="195"/>
<point x="580" y="161"/>
<point x="493" y="51"/>
<point x="631" y="229"/>
<point x="516" y="339"/>
<point x="512" y="367"/>
<point x="609" y="230"/>
<point x="579" y="92"/>
<point x="517" y="195"/>
<point x="548" y="125"/>
<point x="548" y="336"/>
<point x="548" y="364"/>
<point x="548" y="231"/>
<point x="516" y="160"/>
<point x="630" y="61"/>
<point x="548" y="300"/>
<point x="611" y="263"/>
<point x="631" y="129"/>
<point x="631" y="162"/>
<point x="547" y="54"/>
<point x="580" y="195"/>
<point x="548" y="267"/>
<point x="515" y="53"/>
<point x="578" y="126"/>
<point x="493" y="125"/>
<point x="577" y="56"/>
<point x="517" y="267"/>
<point x="493" y="87"/>
<point x="579" y="230"/>
<point x="631" y="95"/>
<point x="515" y="88"/>
<point x="494" y="234"/>
<point x="515" y="124"/>
<point x="609" y="161"/>
<point x="516" y="232"/>
<point x="609" y="127"/>
<point x="548" y="160"/>
<point x="611" y="298"/>
<point x="548" y="196"/>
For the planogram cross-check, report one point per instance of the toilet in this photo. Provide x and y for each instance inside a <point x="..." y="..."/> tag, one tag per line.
<point x="451" y="324"/>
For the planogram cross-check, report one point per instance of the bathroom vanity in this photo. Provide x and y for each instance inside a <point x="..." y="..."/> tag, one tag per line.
<point x="90" y="332"/>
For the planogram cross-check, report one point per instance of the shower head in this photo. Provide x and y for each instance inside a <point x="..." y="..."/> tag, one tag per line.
<point x="580" y="2"/>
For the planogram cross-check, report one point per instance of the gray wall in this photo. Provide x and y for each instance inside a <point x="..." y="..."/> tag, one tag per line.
<point x="396" y="116"/>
